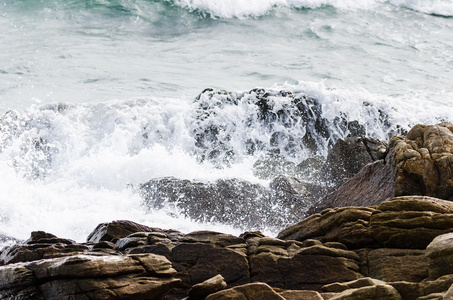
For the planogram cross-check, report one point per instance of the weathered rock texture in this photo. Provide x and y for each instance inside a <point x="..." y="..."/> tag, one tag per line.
<point x="343" y="253"/>
<point x="420" y="163"/>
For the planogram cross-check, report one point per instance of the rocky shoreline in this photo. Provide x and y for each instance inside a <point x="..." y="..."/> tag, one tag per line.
<point x="385" y="233"/>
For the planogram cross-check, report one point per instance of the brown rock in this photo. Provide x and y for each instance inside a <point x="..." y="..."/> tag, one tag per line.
<point x="408" y="290"/>
<point x="123" y="287"/>
<point x="398" y="265"/>
<point x="440" y="251"/>
<point x="207" y="287"/>
<point x="247" y="291"/>
<point x="439" y="285"/>
<point x="112" y="231"/>
<point x="376" y="292"/>
<point x="301" y="294"/>
<point x="146" y="276"/>
<point x="410" y="222"/>
<point x="347" y="225"/>
<point x="312" y="271"/>
<point x="197" y="262"/>
<point x="419" y="164"/>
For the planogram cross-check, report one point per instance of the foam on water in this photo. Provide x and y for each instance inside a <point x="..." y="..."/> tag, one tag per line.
<point x="257" y="8"/>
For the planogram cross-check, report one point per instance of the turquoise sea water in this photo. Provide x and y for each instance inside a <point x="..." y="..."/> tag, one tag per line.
<point x="88" y="77"/>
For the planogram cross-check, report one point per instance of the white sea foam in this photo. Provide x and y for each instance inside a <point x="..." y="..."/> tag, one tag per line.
<point x="256" y="8"/>
<point x="436" y="7"/>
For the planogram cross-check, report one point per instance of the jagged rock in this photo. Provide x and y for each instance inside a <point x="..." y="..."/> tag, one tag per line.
<point x="439" y="285"/>
<point x="112" y="231"/>
<point x="293" y="195"/>
<point x="398" y="265"/>
<point x="247" y="291"/>
<point x="449" y="294"/>
<point x="231" y="201"/>
<point x="348" y="156"/>
<point x="419" y="164"/>
<point x="440" y="251"/>
<point x="197" y="262"/>
<point x="271" y="166"/>
<point x="339" y="287"/>
<point x="434" y="296"/>
<point x="207" y="287"/>
<point x="372" y="185"/>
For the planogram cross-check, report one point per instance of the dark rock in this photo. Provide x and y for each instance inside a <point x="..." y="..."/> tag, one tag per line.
<point x="232" y="201"/>
<point x="196" y="262"/>
<point x="348" y="156"/>
<point x="38" y="235"/>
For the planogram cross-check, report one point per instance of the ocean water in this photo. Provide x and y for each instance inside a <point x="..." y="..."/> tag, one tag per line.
<point x="99" y="96"/>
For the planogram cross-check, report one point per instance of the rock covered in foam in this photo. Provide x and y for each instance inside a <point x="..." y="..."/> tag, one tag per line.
<point x="234" y="201"/>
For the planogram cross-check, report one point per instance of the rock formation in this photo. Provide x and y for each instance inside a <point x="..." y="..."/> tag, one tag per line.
<point x="420" y="163"/>
<point x="400" y="249"/>
<point x="394" y="248"/>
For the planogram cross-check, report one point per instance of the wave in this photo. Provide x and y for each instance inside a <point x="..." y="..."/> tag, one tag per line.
<point x="152" y="10"/>
<point x="219" y="128"/>
<point x="433" y="7"/>
<point x="258" y="8"/>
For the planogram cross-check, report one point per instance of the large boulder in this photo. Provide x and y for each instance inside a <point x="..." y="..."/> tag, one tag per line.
<point x="294" y="265"/>
<point x="440" y="251"/>
<point x="420" y="163"/>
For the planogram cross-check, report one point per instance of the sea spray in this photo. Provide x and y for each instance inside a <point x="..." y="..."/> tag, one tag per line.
<point x="67" y="167"/>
